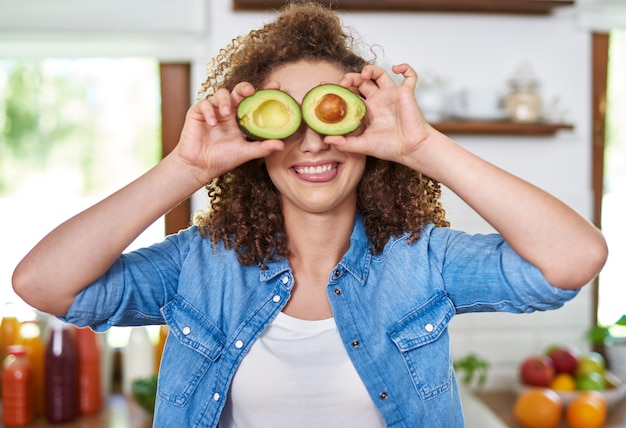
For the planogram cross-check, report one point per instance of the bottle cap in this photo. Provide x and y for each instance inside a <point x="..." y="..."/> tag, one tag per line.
<point x="17" y="350"/>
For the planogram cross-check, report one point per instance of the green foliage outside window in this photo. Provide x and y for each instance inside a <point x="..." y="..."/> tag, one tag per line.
<point x="61" y="115"/>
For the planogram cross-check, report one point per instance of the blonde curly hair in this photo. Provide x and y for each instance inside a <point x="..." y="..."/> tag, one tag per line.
<point x="244" y="205"/>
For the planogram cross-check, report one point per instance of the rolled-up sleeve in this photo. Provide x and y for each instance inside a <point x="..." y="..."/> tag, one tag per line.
<point x="134" y="288"/>
<point x="482" y="273"/>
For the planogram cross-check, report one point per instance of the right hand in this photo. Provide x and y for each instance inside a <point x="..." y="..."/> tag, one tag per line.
<point x="211" y="141"/>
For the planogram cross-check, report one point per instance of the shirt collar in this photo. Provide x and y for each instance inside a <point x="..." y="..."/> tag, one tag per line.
<point x="356" y="260"/>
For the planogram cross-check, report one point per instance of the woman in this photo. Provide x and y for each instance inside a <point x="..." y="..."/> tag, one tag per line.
<point x="317" y="288"/>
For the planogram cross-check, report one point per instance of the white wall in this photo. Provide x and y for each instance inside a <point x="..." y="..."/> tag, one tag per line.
<point x="469" y="50"/>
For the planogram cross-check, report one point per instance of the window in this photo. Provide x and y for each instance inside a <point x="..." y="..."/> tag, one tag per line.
<point x="612" y="291"/>
<point x="71" y="132"/>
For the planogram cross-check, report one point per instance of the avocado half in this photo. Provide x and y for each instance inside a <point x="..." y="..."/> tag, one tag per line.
<point x="269" y="114"/>
<point x="332" y="109"/>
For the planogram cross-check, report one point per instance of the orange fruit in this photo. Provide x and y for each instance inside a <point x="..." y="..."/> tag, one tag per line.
<point x="538" y="408"/>
<point x="587" y="410"/>
<point x="563" y="382"/>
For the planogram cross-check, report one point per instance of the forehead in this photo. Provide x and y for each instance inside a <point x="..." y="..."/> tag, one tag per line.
<point x="299" y="77"/>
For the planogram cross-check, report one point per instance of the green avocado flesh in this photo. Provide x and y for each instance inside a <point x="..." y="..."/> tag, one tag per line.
<point x="269" y="114"/>
<point x="332" y="110"/>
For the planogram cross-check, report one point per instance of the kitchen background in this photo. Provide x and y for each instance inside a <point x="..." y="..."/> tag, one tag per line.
<point x="454" y="51"/>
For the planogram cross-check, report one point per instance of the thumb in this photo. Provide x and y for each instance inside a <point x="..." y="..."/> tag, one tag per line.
<point x="261" y="149"/>
<point x="349" y="143"/>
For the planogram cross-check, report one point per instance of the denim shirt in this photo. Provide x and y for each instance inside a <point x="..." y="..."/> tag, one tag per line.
<point x="392" y="311"/>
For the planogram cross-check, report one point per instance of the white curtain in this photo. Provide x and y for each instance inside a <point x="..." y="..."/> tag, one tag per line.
<point x="601" y="15"/>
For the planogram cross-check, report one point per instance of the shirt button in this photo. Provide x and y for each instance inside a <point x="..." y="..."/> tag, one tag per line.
<point x="429" y="327"/>
<point x="285" y="280"/>
<point x="216" y="396"/>
<point x="337" y="273"/>
<point x="337" y="292"/>
<point x="383" y="395"/>
<point x="276" y="299"/>
<point x="356" y="343"/>
<point x="186" y="330"/>
<point x="239" y="344"/>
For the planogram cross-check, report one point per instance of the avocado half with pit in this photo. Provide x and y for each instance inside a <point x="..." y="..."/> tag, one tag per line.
<point x="269" y="114"/>
<point x="332" y="110"/>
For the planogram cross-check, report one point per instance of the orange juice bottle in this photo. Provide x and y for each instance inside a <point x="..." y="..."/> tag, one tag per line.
<point x="31" y="339"/>
<point x="9" y="332"/>
<point x="158" y="352"/>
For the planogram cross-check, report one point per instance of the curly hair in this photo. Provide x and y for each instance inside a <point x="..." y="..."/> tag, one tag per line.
<point x="244" y="205"/>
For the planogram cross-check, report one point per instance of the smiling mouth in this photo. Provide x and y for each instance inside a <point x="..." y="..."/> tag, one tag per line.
<point x="311" y="170"/>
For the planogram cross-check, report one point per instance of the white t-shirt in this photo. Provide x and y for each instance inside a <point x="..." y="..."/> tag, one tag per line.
<point x="298" y="374"/>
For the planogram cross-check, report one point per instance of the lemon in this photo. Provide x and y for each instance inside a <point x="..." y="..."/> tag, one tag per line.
<point x="563" y="382"/>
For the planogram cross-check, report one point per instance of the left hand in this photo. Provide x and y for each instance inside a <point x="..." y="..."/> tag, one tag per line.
<point x="396" y="127"/>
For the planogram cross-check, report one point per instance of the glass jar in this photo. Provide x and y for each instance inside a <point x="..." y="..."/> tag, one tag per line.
<point x="523" y="102"/>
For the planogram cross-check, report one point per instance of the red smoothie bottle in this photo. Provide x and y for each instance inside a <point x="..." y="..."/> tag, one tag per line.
<point x="61" y="374"/>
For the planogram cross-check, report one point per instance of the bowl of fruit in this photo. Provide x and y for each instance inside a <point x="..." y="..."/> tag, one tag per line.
<point x="568" y="372"/>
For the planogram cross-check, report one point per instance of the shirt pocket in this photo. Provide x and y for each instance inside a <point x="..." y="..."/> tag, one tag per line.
<point x="422" y="339"/>
<point x="193" y="344"/>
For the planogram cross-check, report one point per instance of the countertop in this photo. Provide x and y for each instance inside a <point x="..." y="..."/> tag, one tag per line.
<point x="118" y="412"/>
<point x="500" y="403"/>
<point x="484" y="409"/>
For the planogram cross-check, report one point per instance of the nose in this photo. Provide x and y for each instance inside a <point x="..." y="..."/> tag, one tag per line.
<point x="312" y="141"/>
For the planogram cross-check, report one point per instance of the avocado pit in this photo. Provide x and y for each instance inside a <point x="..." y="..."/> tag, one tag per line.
<point x="331" y="108"/>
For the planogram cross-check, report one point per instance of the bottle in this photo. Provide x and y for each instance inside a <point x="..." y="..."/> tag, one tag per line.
<point x="89" y="381"/>
<point x="137" y="358"/>
<point x="107" y="354"/>
<point x="31" y="339"/>
<point x="523" y="102"/>
<point x="61" y="374"/>
<point x="158" y="351"/>
<point x="17" y="388"/>
<point x="9" y="332"/>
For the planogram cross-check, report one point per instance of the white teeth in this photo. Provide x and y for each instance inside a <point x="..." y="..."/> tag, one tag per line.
<point x="314" y="169"/>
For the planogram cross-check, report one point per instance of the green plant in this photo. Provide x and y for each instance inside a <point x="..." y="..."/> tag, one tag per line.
<point x="144" y="390"/>
<point x="600" y="333"/>
<point x="473" y="369"/>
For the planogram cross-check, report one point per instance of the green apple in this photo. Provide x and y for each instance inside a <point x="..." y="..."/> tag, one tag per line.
<point x="592" y="381"/>
<point x="591" y="362"/>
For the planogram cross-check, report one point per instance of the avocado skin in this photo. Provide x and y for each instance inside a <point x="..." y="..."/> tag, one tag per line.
<point x="354" y="115"/>
<point x="266" y="105"/>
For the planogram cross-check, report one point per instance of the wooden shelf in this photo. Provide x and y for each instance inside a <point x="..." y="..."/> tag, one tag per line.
<point x="527" y="7"/>
<point x="499" y="127"/>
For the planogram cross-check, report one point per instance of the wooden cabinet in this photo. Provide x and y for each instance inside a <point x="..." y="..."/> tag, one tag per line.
<point x="533" y="7"/>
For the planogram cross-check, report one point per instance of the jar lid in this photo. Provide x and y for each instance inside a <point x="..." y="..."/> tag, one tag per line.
<point x="524" y="78"/>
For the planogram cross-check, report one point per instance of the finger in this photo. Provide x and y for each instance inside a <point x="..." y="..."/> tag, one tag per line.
<point x="261" y="149"/>
<point x="272" y="85"/>
<point x="378" y="75"/>
<point x="350" y="80"/>
<point x="222" y="101"/>
<point x="351" y="144"/>
<point x="241" y="91"/>
<point x="354" y="80"/>
<point x="409" y="74"/>
<point x="204" y="110"/>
